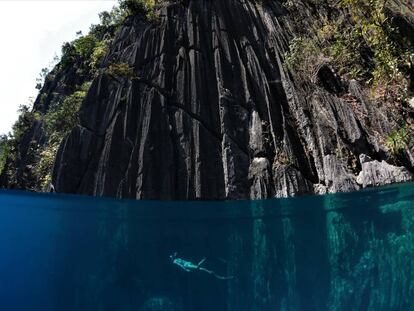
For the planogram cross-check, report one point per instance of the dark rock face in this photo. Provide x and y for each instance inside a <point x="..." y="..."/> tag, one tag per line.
<point x="212" y="113"/>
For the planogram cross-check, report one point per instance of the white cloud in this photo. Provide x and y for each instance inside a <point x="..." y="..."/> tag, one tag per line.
<point x="32" y="32"/>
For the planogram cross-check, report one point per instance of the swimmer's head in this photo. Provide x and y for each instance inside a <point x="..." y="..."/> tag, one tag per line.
<point x="173" y="256"/>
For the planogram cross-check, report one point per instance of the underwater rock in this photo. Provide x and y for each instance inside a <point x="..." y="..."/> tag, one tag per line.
<point x="345" y="252"/>
<point x="375" y="173"/>
<point x="160" y="304"/>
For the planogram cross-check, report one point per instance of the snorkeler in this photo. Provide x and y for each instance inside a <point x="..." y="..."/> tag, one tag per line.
<point x="188" y="266"/>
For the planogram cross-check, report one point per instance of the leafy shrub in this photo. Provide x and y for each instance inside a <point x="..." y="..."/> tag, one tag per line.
<point x="136" y="6"/>
<point x="24" y="122"/>
<point x="44" y="167"/>
<point x="99" y="51"/>
<point x="68" y="54"/>
<point x="374" y="27"/>
<point x="397" y="141"/>
<point x="85" y="45"/>
<point x="5" y="148"/>
<point x="108" y="19"/>
<point x="58" y="122"/>
<point x="304" y="55"/>
<point x="358" y="39"/>
<point x="147" y="7"/>
<point x="41" y="78"/>
<point x="121" y="70"/>
<point x="109" y="22"/>
<point x="79" y="49"/>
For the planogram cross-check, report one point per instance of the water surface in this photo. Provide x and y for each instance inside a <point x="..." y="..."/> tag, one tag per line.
<point x="336" y="252"/>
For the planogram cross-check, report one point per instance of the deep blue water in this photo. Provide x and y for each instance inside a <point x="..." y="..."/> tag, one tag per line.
<point x="337" y="252"/>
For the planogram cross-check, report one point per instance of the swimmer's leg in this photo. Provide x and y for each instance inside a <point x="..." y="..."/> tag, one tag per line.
<point x="216" y="275"/>
<point x="201" y="262"/>
<point x="184" y="268"/>
<point x="206" y="270"/>
<point x="223" y="277"/>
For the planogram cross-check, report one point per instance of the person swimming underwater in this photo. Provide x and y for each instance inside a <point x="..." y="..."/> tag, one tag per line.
<point x="188" y="266"/>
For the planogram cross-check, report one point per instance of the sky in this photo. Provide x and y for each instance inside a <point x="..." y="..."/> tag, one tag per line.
<point x="32" y="33"/>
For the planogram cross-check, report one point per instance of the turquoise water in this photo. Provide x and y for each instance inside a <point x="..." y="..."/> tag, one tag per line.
<point x="338" y="252"/>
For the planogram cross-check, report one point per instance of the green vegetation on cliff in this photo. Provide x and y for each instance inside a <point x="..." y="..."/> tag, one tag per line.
<point x="358" y="38"/>
<point x="362" y="40"/>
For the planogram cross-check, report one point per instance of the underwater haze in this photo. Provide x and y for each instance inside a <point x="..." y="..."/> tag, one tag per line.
<point x="336" y="252"/>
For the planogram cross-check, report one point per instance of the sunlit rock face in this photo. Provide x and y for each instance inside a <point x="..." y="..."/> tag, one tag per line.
<point x="212" y="113"/>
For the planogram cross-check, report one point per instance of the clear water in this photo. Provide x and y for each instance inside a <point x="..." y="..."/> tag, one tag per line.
<point x="338" y="252"/>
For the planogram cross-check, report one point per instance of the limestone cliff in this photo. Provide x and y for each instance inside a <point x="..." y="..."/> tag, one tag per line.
<point x="211" y="111"/>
